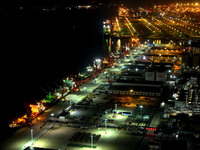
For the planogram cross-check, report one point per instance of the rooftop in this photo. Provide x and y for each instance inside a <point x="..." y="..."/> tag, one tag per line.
<point x="136" y="88"/>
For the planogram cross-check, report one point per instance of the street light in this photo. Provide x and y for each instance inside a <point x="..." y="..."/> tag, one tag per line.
<point x="131" y="91"/>
<point x="31" y="134"/>
<point x="162" y="104"/>
<point x="141" y="111"/>
<point x="105" y="123"/>
<point x="92" y="141"/>
<point x="115" y="107"/>
<point x="52" y="116"/>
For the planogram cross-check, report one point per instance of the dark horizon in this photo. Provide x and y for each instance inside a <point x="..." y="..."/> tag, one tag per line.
<point x="12" y="7"/>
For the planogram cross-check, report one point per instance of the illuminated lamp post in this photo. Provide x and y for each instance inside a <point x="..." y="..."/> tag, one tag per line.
<point x="115" y="107"/>
<point x="131" y="91"/>
<point x="52" y="119"/>
<point x="105" y="123"/>
<point x="31" y="134"/>
<point x="141" y="107"/>
<point x="92" y="141"/>
<point x="52" y="115"/>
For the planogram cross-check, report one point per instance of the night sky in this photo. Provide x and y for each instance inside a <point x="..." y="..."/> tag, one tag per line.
<point x="8" y="6"/>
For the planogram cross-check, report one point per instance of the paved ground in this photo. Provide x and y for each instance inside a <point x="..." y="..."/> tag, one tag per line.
<point x="55" y="137"/>
<point x="155" y="120"/>
<point x="111" y="139"/>
<point x="22" y="138"/>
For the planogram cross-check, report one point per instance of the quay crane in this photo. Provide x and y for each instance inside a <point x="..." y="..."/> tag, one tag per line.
<point x="75" y="83"/>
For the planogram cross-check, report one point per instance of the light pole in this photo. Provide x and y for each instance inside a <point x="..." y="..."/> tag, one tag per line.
<point x="31" y="134"/>
<point x="92" y="141"/>
<point x="116" y="107"/>
<point x="52" y="116"/>
<point x="52" y="119"/>
<point x="105" y="123"/>
<point x="141" y="107"/>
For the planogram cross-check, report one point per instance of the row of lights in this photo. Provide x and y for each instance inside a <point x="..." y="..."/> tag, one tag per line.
<point x="154" y="129"/>
<point x="150" y="24"/>
<point x="186" y="27"/>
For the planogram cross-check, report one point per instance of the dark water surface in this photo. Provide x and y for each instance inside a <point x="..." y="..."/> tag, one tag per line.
<point x="37" y="52"/>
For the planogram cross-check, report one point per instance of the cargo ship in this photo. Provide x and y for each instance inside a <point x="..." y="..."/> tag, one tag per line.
<point x="70" y="84"/>
<point x="33" y="110"/>
<point x="107" y="27"/>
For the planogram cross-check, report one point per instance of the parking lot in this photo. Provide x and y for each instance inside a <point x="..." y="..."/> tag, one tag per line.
<point x="61" y="136"/>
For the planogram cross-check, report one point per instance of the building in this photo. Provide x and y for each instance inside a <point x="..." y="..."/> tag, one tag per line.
<point x="135" y="91"/>
<point x="137" y="86"/>
<point x="191" y="57"/>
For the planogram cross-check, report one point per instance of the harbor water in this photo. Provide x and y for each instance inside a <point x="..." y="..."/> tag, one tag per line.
<point x="40" y="51"/>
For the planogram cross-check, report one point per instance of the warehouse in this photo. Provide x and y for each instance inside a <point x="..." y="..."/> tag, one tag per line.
<point x="135" y="91"/>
